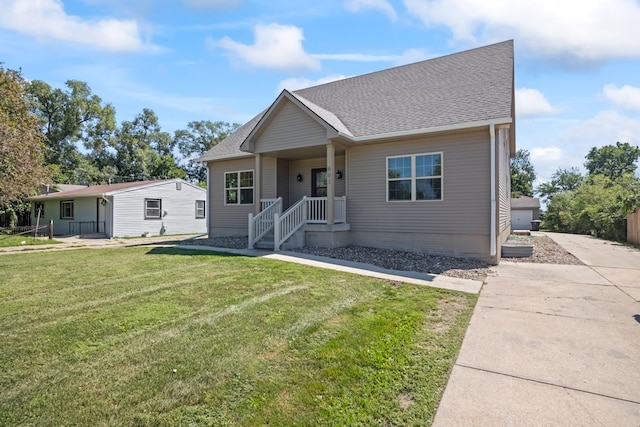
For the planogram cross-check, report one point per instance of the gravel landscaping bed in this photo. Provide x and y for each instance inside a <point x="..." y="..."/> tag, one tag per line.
<point x="545" y="251"/>
<point x="464" y="268"/>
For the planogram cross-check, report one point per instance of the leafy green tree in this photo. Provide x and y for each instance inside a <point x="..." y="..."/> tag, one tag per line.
<point x="144" y="151"/>
<point x="561" y="180"/>
<point x="22" y="147"/>
<point x="68" y="117"/>
<point x="522" y="174"/>
<point x="612" y="161"/>
<point x="197" y="139"/>
<point x="598" y="207"/>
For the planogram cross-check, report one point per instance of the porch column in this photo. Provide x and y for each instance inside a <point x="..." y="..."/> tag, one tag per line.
<point x="257" y="183"/>
<point x="331" y="190"/>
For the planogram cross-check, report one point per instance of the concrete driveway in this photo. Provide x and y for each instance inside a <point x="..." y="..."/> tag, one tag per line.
<point x="552" y="345"/>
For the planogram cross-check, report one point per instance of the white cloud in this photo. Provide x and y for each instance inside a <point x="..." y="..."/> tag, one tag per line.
<point x="531" y="102"/>
<point x="606" y="128"/>
<point x="381" y="5"/>
<point x="301" y="83"/>
<point x="407" y="57"/>
<point x="47" y="20"/>
<point x="626" y="97"/>
<point x="588" y="31"/>
<point x="276" y="46"/>
<point x="412" y="55"/>
<point x="546" y="161"/>
<point x="550" y="153"/>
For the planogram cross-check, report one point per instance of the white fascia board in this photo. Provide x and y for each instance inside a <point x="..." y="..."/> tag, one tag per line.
<point x="424" y="131"/>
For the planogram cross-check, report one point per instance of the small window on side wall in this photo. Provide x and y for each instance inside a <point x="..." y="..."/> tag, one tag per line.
<point x="66" y="209"/>
<point x="414" y="177"/>
<point x="152" y="208"/>
<point x="200" y="212"/>
<point x="39" y="209"/>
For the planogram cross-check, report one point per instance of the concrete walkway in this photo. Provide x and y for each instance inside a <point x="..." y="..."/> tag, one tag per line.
<point x="552" y="345"/>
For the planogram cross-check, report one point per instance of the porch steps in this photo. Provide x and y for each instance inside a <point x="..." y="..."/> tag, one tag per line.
<point x="267" y="242"/>
<point x="517" y="250"/>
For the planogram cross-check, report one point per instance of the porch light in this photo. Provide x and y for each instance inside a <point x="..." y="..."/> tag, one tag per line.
<point x="339" y="174"/>
<point x="299" y="177"/>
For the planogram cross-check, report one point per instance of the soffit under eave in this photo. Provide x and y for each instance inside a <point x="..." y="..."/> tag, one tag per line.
<point x="248" y="145"/>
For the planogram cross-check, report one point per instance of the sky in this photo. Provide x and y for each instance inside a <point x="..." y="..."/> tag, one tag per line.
<point x="577" y="62"/>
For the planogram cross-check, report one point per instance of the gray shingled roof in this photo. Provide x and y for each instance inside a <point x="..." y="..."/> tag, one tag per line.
<point x="99" y="190"/>
<point x="475" y="85"/>
<point x="525" y="202"/>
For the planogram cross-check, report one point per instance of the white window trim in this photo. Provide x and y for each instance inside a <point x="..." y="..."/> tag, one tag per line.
<point x="146" y="209"/>
<point x="413" y="177"/>
<point x="224" y="194"/>
<point x="204" y="209"/>
<point x="73" y="208"/>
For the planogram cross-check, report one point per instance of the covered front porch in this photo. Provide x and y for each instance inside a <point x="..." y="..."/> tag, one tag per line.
<point x="310" y="203"/>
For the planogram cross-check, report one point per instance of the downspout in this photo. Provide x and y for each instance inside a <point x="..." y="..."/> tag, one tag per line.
<point x="207" y="203"/>
<point x="492" y="132"/>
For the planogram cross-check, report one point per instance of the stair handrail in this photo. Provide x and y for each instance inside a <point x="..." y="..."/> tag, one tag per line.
<point x="290" y="221"/>
<point x="263" y="222"/>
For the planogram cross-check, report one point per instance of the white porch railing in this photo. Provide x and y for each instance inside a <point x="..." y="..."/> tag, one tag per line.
<point x="291" y="221"/>
<point x="263" y="222"/>
<point x="265" y="203"/>
<point x="308" y="210"/>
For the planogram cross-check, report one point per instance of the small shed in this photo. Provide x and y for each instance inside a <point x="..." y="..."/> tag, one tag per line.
<point x="524" y="211"/>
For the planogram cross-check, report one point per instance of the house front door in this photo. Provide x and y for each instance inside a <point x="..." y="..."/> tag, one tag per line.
<point x="319" y="182"/>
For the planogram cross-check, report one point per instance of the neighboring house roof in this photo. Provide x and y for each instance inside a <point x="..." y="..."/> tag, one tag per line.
<point x="56" y="188"/>
<point x="68" y="187"/>
<point x="462" y="88"/>
<point x="525" y="202"/>
<point x="106" y="189"/>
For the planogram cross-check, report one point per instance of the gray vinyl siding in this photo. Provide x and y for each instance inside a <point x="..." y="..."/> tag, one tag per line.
<point x="459" y="224"/>
<point x="129" y="210"/>
<point x="299" y="189"/>
<point x="283" y="181"/>
<point x="504" y="180"/>
<point x="227" y="220"/>
<point x="290" y="128"/>
<point x="269" y="177"/>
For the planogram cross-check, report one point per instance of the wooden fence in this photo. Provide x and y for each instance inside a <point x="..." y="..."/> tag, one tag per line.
<point x="633" y="227"/>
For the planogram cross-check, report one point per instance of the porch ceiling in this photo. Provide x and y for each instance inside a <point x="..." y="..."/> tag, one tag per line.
<point x="310" y="152"/>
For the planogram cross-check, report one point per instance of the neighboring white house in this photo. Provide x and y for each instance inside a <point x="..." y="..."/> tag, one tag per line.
<point x="524" y="210"/>
<point x="127" y="209"/>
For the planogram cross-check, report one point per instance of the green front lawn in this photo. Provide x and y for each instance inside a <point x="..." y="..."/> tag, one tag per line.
<point x="165" y="336"/>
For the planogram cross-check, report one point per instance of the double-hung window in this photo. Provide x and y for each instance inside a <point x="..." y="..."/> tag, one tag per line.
<point x="152" y="208"/>
<point x="200" y="209"/>
<point x="66" y="209"/>
<point x="238" y="188"/>
<point x="414" y="177"/>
